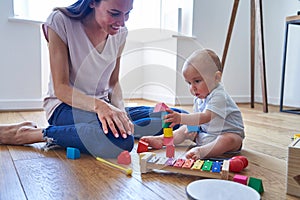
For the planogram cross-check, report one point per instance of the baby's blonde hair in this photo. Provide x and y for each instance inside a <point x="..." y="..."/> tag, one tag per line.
<point x="206" y="56"/>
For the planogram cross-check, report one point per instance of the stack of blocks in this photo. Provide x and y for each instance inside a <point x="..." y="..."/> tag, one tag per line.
<point x="168" y="137"/>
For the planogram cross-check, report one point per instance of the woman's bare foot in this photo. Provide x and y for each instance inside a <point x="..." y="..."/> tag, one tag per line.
<point x="14" y="133"/>
<point x="156" y="142"/>
<point x="12" y="128"/>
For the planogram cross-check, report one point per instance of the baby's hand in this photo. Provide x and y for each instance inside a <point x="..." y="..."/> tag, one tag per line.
<point x="173" y="117"/>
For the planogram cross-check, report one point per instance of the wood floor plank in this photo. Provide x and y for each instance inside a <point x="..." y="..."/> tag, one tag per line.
<point x="84" y="178"/>
<point x="29" y="152"/>
<point x="10" y="185"/>
<point x="50" y="175"/>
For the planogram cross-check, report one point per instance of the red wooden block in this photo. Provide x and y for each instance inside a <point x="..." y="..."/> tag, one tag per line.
<point x="142" y="146"/>
<point x="124" y="158"/>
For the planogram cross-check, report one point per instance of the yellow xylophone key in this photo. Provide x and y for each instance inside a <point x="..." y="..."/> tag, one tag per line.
<point x="197" y="164"/>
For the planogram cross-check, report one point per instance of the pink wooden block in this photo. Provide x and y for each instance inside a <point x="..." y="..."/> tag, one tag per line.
<point x="168" y="141"/>
<point x="170" y="151"/>
<point x="160" y="107"/>
<point x="240" y="179"/>
<point x="124" y="158"/>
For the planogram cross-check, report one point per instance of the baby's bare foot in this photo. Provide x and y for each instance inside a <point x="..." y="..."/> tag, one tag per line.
<point x="156" y="142"/>
<point x="194" y="153"/>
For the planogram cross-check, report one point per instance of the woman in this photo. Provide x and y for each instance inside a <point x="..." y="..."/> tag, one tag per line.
<point x="84" y="106"/>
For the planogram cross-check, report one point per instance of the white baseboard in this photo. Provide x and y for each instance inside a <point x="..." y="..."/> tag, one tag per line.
<point x="21" y="104"/>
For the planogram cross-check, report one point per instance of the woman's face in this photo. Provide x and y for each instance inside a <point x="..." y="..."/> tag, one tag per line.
<point x="112" y="14"/>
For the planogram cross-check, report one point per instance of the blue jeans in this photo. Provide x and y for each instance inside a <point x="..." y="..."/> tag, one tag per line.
<point x="72" y="127"/>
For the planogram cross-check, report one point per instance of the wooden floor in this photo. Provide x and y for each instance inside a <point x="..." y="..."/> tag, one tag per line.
<point x="29" y="173"/>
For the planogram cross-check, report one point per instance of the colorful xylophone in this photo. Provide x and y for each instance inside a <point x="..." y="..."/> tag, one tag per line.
<point x="203" y="168"/>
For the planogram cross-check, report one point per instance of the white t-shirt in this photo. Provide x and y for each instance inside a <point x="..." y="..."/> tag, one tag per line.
<point x="228" y="119"/>
<point x="89" y="70"/>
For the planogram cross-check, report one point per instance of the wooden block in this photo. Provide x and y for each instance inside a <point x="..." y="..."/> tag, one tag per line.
<point x="168" y="132"/>
<point x="192" y="129"/>
<point x="164" y="124"/>
<point x="142" y="147"/>
<point x="240" y="179"/>
<point x="256" y="184"/>
<point x="73" y="153"/>
<point x="160" y="107"/>
<point x="170" y="151"/>
<point x="293" y="169"/>
<point x="197" y="164"/>
<point x="188" y="163"/>
<point x="124" y="158"/>
<point x="168" y="141"/>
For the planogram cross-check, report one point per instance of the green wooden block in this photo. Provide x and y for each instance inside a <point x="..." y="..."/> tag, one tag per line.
<point x="256" y="184"/>
<point x="164" y="124"/>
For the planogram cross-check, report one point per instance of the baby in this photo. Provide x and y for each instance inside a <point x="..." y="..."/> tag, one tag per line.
<point x="219" y="120"/>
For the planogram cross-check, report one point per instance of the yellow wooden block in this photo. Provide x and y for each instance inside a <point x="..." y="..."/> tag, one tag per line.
<point x="168" y="132"/>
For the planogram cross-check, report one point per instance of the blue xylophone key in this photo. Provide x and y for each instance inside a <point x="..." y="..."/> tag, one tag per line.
<point x="216" y="167"/>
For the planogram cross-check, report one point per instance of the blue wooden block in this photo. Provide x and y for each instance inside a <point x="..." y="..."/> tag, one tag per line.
<point x="73" y="153"/>
<point x="192" y="129"/>
<point x="216" y="167"/>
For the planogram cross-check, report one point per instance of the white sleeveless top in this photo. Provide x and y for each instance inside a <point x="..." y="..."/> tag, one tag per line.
<point x="89" y="70"/>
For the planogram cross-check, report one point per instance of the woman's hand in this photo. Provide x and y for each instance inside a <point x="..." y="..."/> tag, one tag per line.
<point x="115" y="119"/>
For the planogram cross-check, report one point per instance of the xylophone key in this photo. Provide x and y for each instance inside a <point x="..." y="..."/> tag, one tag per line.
<point x="162" y="161"/>
<point x="154" y="159"/>
<point x="179" y="163"/>
<point x="170" y="161"/>
<point x="197" y="164"/>
<point x="188" y="163"/>
<point x="216" y="167"/>
<point x="207" y="165"/>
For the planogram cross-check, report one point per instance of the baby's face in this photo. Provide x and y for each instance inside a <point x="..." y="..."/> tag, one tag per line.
<point x="197" y="84"/>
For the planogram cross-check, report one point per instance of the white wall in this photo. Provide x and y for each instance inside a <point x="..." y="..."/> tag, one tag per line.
<point x="20" y="66"/>
<point x="211" y="20"/>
